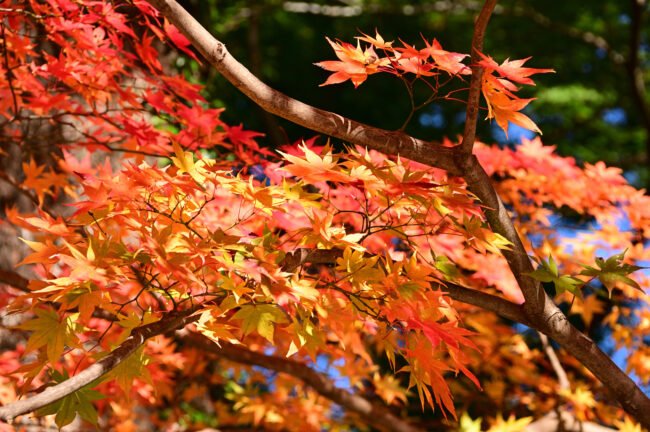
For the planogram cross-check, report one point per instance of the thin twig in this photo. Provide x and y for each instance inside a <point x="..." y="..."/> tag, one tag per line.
<point x="471" y="114"/>
<point x="562" y="378"/>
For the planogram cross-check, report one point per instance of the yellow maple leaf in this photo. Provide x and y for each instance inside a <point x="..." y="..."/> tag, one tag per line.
<point x="513" y="424"/>
<point x="51" y="331"/>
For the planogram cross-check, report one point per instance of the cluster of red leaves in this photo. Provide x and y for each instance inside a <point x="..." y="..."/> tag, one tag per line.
<point x="102" y="82"/>
<point x="498" y="82"/>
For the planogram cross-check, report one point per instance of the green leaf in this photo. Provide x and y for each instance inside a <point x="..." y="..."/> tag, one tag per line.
<point x="547" y="272"/>
<point x="79" y="402"/>
<point x="611" y="271"/>
<point x="134" y="366"/>
<point x="446" y="267"/>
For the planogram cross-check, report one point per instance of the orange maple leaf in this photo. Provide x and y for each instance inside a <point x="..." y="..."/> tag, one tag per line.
<point x="355" y="64"/>
<point x="378" y="41"/>
<point x="512" y="69"/>
<point x="445" y="60"/>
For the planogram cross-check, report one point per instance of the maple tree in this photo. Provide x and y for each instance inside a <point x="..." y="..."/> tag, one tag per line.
<point x="188" y="256"/>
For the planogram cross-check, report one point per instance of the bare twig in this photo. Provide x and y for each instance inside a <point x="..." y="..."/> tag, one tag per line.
<point x="562" y="379"/>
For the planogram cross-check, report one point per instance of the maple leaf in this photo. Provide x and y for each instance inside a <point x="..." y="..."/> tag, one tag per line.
<point x="513" y="424"/>
<point x="582" y="400"/>
<point x="48" y="224"/>
<point x="613" y="270"/>
<point x="53" y="332"/>
<point x="512" y="70"/>
<point x="389" y="389"/>
<point x="179" y="39"/>
<point x="466" y="423"/>
<point x="504" y="109"/>
<point x="355" y="64"/>
<point x="216" y="331"/>
<point x="79" y="402"/>
<point x="34" y="179"/>
<point x="482" y="238"/>
<point x="131" y="368"/>
<point x="628" y="425"/>
<point x="589" y="307"/>
<point x="314" y="167"/>
<point x="44" y="253"/>
<point x="307" y="336"/>
<point x="261" y="318"/>
<point x="240" y="138"/>
<point x="448" y="61"/>
<point x="445" y="266"/>
<point x="547" y="272"/>
<point x="377" y="41"/>
<point x="415" y="66"/>
<point x="502" y="104"/>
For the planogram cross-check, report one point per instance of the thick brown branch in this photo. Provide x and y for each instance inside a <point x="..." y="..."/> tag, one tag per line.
<point x="543" y="313"/>
<point x="471" y="113"/>
<point x="129" y="346"/>
<point x="489" y="302"/>
<point x="376" y="416"/>
<point x="388" y="142"/>
<point x="14" y="279"/>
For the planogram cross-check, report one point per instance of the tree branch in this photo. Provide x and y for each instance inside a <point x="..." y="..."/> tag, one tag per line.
<point x="275" y="102"/>
<point x="137" y="338"/>
<point x="498" y="305"/>
<point x="489" y="302"/>
<point x="562" y="379"/>
<point x="14" y="279"/>
<point x="543" y="313"/>
<point x="471" y="113"/>
<point x="376" y="416"/>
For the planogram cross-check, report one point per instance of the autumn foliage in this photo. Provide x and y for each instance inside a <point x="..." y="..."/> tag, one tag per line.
<point x="145" y="205"/>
